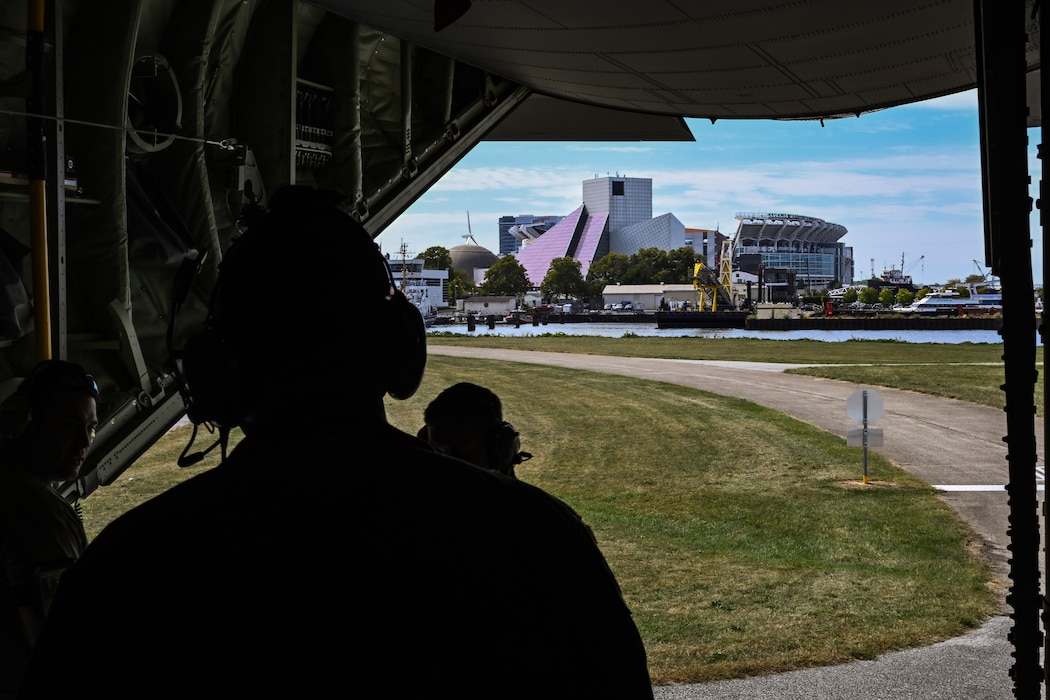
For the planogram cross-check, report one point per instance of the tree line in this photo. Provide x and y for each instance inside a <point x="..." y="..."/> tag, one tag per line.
<point x="565" y="279"/>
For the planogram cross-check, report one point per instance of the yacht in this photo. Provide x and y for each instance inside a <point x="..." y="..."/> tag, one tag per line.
<point x="942" y="302"/>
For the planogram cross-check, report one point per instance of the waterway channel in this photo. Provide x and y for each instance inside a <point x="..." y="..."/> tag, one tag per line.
<point x="618" y="330"/>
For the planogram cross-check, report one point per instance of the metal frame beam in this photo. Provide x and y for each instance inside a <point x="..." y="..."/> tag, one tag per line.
<point x="1002" y="100"/>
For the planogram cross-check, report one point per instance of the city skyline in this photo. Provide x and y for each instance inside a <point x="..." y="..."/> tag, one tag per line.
<point x="905" y="182"/>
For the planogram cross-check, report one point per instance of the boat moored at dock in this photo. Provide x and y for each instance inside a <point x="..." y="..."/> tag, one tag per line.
<point x="948" y="302"/>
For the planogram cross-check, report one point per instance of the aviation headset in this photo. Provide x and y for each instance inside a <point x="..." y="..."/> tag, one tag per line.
<point x="505" y="448"/>
<point x="302" y="225"/>
<point x="473" y="402"/>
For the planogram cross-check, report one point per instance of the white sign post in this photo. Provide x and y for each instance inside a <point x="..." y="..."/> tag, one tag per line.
<point x="864" y="406"/>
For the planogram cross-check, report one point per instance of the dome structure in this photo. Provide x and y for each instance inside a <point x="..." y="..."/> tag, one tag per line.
<point x="470" y="256"/>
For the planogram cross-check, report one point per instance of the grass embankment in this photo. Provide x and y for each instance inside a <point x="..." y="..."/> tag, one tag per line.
<point x="740" y="539"/>
<point x="966" y="371"/>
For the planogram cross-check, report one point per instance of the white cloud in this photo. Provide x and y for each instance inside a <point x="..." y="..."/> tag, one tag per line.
<point x="903" y="181"/>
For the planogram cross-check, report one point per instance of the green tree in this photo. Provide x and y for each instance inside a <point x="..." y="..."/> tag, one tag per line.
<point x="593" y="290"/>
<point x="814" y="296"/>
<point x="958" y="285"/>
<point x="437" y="258"/>
<point x="460" y="287"/>
<point x="564" y="280"/>
<point x="645" y="266"/>
<point x="849" y="296"/>
<point x="610" y="269"/>
<point x="976" y="280"/>
<point x="679" y="268"/>
<point x="886" y="296"/>
<point x="905" y="296"/>
<point x="868" y="295"/>
<point x="506" y="277"/>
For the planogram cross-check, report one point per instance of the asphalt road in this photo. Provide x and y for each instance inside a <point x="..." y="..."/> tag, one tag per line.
<point x="953" y="445"/>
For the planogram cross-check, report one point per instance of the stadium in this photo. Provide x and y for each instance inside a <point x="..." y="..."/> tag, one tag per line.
<point x="792" y="250"/>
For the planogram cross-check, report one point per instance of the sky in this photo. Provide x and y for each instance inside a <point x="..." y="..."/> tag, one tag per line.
<point x="905" y="182"/>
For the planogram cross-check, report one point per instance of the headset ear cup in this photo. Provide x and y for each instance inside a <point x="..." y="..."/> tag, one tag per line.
<point x="407" y="351"/>
<point x="210" y="371"/>
<point x="506" y="445"/>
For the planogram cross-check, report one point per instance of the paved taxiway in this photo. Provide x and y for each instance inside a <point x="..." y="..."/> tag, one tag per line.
<point x="953" y="445"/>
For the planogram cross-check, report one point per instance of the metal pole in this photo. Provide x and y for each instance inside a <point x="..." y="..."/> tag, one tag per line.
<point x="37" y="171"/>
<point x="864" y="414"/>
<point x="1044" y="24"/>
<point x="1002" y="101"/>
<point x="1044" y="200"/>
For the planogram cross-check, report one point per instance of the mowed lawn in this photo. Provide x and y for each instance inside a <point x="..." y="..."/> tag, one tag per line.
<point x="966" y="371"/>
<point x="742" y="539"/>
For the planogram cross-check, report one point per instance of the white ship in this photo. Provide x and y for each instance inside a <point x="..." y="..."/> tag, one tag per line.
<point x="936" y="302"/>
<point x="419" y="295"/>
<point x="424" y="288"/>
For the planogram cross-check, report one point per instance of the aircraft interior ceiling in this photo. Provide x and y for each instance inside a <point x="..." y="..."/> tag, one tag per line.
<point x="716" y="59"/>
<point x="132" y="132"/>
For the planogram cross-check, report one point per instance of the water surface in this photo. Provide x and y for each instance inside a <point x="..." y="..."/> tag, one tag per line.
<point x="618" y="330"/>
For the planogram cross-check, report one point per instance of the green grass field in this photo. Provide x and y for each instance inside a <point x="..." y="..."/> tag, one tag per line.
<point x="741" y="537"/>
<point x="966" y="371"/>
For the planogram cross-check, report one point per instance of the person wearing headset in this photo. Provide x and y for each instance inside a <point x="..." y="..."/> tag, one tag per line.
<point x="47" y="425"/>
<point x="330" y="552"/>
<point x="466" y="421"/>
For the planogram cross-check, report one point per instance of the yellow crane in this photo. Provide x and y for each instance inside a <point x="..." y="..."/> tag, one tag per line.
<point x="712" y="288"/>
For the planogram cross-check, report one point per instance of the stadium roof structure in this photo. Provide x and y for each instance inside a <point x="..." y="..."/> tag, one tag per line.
<point x="528" y="232"/>
<point x="787" y="227"/>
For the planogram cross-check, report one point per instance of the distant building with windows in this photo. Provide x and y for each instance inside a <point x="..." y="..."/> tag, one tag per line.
<point x="472" y="260"/>
<point x="792" y="250"/>
<point x="616" y="217"/>
<point x="426" y="289"/>
<point x="516" y="230"/>
<point x="707" y="243"/>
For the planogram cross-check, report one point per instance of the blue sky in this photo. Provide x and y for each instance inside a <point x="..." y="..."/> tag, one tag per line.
<point x="905" y="182"/>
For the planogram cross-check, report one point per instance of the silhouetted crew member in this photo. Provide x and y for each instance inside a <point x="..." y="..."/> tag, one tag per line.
<point x="46" y="426"/>
<point x="466" y="421"/>
<point x="331" y="553"/>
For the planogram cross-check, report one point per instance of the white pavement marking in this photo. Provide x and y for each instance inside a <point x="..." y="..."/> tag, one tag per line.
<point x="1040" y="476"/>
<point x="969" y="487"/>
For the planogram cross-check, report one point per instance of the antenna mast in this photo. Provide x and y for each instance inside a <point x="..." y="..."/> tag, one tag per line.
<point x="404" y="265"/>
